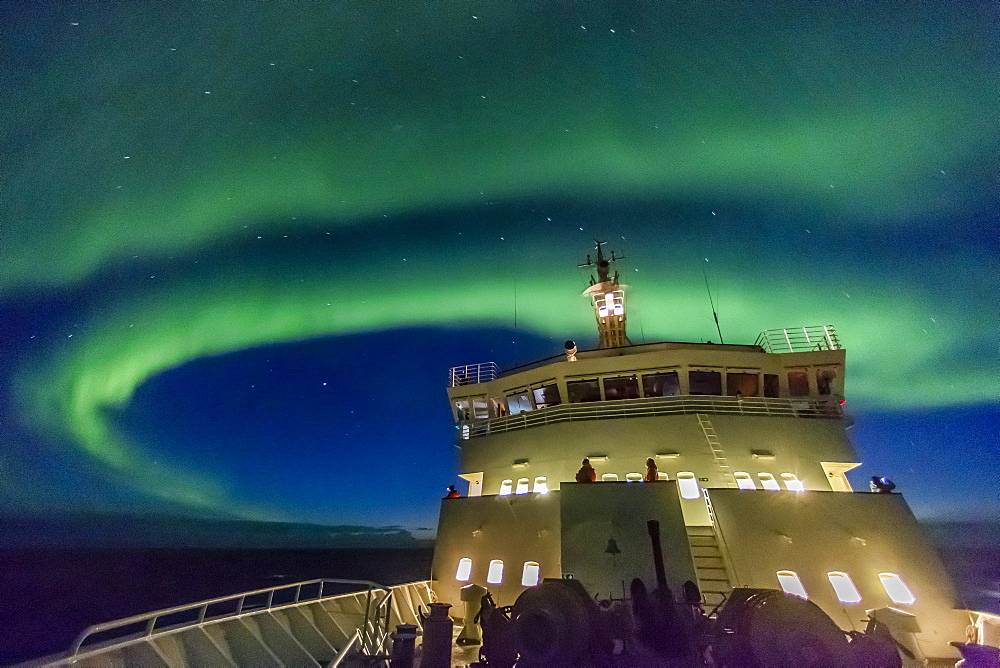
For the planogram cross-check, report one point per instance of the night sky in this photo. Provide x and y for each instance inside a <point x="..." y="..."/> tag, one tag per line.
<point x="241" y="243"/>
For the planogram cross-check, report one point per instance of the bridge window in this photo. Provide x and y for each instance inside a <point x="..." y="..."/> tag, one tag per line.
<point x="522" y="486"/>
<point x="462" y="410"/>
<point x="609" y="477"/>
<point x="791" y="584"/>
<point x="792" y="482"/>
<point x="825" y="379"/>
<point x="688" y="485"/>
<point x="661" y="384"/>
<point x="541" y="486"/>
<point x="622" y="387"/>
<point x="499" y="408"/>
<point x="771" y="386"/>
<point x="743" y="480"/>
<point x="742" y="384"/>
<point x="546" y="395"/>
<point x="705" y="382"/>
<point x="480" y="410"/>
<point x="506" y="487"/>
<point x="495" y="575"/>
<point x="464" y="571"/>
<point x="660" y="475"/>
<point x="518" y="403"/>
<point x="582" y="391"/>
<point x="529" y="574"/>
<point x="798" y="382"/>
<point x="633" y="477"/>
<point x="896" y="588"/>
<point x="768" y="482"/>
<point x="842" y="584"/>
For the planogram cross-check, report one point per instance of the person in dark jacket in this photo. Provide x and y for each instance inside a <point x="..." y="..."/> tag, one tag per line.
<point x="452" y="493"/>
<point x="652" y="475"/>
<point x="586" y="472"/>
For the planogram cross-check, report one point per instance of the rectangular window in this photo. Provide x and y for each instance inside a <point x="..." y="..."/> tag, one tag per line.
<point x="522" y="486"/>
<point x="825" y="380"/>
<point x="688" y="485"/>
<point x="771" y="387"/>
<point x="506" y="487"/>
<point x="768" y="482"/>
<point x="791" y="584"/>
<point x="480" y="410"/>
<point x="541" y="487"/>
<point x="798" y="382"/>
<point x="529" y="574"/>
<point x="499" y="408"/>
<point x="743" y="480"/>
<point x="623" y="387"/>
<point x="792" y="482"/>
<point x="842" y="584"/>
<point x="519" y="402"/>
<point x="581" y="391"/>
<point x="462" y="410"/>
<point x="742" y="384"/>
<point x="494" y="575"/>
<point x="546" y="395"/>
<point x="661" y="384"/>
<point x="705" y="382"/>
<point x="896" y="588"/>
<point x="464" y="571"/>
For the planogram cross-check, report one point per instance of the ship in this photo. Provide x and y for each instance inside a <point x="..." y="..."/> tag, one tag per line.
<point x="654" y="504"/>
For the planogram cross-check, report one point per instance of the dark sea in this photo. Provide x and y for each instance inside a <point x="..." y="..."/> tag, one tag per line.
<point x="49" y="594"/>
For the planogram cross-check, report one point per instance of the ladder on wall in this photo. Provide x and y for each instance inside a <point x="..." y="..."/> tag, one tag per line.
<point x="713" y="444"/>
<point x="713" y="579"/>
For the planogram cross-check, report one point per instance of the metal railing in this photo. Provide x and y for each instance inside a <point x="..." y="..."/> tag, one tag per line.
<point x="634" y="408"/>
<point x="372" y="636"/>
<point x="472" y="374"/>
<point x="799" y="339"/>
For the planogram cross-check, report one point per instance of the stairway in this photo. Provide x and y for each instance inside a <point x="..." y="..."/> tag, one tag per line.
<point x="716" y="447"/>
<point x="713" y="581"/>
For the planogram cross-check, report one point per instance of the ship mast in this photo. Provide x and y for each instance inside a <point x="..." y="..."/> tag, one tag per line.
<point x="608" y="298"/>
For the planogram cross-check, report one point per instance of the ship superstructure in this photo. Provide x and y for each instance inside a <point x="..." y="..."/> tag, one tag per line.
<point x="751" y="451"/>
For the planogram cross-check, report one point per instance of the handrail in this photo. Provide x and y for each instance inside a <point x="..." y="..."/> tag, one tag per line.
<point x="371" y="641"/>
<point x="799" y="339"/>
<point x="472" y="374"/>
<point x="342" y="654"/>
<point x="806" y="407"/>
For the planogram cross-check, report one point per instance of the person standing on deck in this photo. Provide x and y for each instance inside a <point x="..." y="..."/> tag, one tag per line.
<point x="586" y="472"/>
<point x="652" y="475"/>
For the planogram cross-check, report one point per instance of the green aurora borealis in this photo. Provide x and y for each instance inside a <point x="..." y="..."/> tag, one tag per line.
<point x="192" y="179"/>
